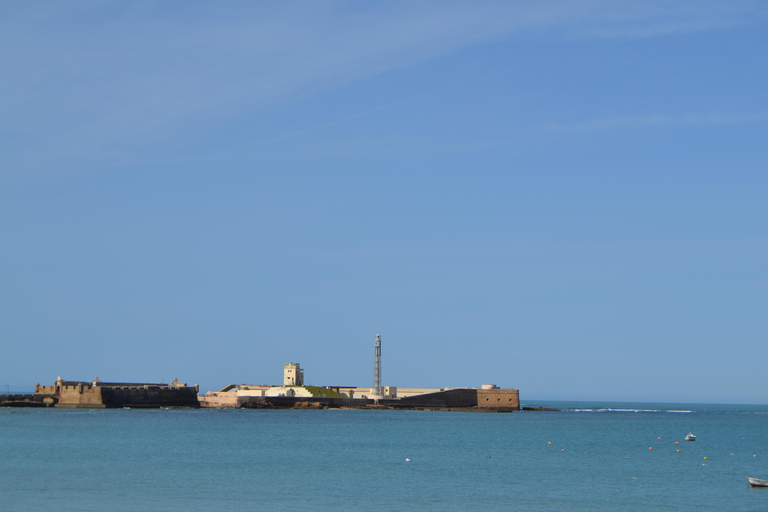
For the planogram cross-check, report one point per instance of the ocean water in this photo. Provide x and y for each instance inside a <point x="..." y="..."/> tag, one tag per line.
<point x="293" y="460"/>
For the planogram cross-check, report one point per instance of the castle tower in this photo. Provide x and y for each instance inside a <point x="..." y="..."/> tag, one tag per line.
<point x="377" y="366"/>
<point x="293" y="375"/>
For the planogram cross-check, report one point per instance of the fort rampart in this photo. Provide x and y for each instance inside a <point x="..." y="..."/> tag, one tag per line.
<point x="97" y="394"/>
<point x="461" y="399"/>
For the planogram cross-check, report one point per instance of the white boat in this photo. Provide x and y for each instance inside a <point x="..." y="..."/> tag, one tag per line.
<point x="690" y="437"/>
<point x="756" y="482"/>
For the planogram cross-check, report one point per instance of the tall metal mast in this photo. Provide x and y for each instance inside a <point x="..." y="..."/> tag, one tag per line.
<point x="377" y="366"/>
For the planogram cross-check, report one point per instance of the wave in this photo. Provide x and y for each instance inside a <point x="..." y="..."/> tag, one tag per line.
<point x="678" y="411"/>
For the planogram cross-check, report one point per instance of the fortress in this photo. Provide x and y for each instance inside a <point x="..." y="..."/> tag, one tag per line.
<point x="488" y="398"/>
<point x="291" y="394"/>
<point x="97" y="394"/>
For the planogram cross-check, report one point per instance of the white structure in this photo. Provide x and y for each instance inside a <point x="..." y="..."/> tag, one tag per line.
<point x="387" y="392"/>
<point x="377" y="366"/>
<point x="287" y="391"/>
<point x="293" y="375"/>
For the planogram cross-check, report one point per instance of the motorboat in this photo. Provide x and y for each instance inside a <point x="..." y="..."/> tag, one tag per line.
<point x="690" y="437"/>
<point x="756" y="482"/>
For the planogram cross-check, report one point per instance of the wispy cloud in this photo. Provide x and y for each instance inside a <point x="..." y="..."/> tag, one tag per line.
<point x="102" y="78"/>
<point x="710" y="119"/>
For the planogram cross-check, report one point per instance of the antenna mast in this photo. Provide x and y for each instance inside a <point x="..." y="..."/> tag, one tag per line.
<point x="377" y="366"/>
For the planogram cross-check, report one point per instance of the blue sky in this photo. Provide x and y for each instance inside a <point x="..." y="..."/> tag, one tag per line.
<point x="568" y="198"/>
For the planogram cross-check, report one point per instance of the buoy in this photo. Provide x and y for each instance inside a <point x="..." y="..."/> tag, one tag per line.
<point x="705" y="458"/>
<point x="677" y="442"/>
<point x="658" y="438"/>
<point x="549" y="442"/>
<point x="678" y="450"/>
<point x="650" y="447"/>
<point x="563" y="449"/>
<point x="407" y="460"/>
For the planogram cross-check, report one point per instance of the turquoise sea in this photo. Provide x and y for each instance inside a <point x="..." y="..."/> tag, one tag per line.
<point x="292" y="460"/>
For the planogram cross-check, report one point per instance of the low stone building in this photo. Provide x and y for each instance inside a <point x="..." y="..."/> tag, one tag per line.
<point x="492" y="397"/>
<point x="98" y="394"/>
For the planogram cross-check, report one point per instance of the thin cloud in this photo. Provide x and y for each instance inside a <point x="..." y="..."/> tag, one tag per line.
<point x="379" y="108"/>
<point x="711" y="119"/>
<point x="103" y="80"/>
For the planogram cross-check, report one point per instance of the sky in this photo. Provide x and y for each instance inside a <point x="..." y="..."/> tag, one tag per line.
<point x="567" y="198"/>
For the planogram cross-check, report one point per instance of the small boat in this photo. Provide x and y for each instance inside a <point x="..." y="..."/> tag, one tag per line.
<point x="690" y="437"/>
<point x="756" y="482"/>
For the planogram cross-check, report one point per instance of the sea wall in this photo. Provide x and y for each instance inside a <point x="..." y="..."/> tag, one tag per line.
<point x="461" y="399"/>
<point x="78" y="394"/>
<point x="219" y="399"/>
<point x="452" y="398"/>
<point x="28" y="400"/>
<point x="98" y="394"/>
<point x="149" y="396"/>
<point x="288" y="402"/>
<point x="498" y="399"/>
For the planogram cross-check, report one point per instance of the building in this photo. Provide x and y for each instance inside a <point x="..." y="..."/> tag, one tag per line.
<point x="490" y="396"/>
<point x="293" y="375"/>
<point x="97" y="394"/>
<point x="293" y="393"/>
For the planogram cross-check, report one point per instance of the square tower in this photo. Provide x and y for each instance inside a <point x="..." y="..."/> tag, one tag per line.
<point x="293" y="375"/>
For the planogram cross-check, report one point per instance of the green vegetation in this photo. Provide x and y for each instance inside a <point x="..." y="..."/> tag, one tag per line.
<point x="320" y="391"/>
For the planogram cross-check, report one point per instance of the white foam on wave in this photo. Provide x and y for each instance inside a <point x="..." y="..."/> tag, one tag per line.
<point x="632" y="410"/>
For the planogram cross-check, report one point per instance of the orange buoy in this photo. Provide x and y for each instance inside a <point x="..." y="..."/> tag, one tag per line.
<point x="549" y="442"/>
<point x="658" y="438"/>
<point x="650" y="447"/>
<point x="677" y="442"/>
<point x="705" y="458"/>
<point x="678" y="450"/>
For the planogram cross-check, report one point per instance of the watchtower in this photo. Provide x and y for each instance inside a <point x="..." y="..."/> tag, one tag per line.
<point x="293" y="375"/>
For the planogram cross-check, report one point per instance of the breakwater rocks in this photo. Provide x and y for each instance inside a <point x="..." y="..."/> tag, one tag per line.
<point x="27" y="400"/>
<point x="288" y="402"/>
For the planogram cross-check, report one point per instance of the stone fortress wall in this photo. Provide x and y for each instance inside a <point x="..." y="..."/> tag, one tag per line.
<point x="487" y="398"/>
<point x="98" y="394"/>
<point x="496" y="398"/>
<point x="292" y="393"/>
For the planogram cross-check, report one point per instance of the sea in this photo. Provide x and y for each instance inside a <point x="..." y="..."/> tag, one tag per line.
<point x="587" y="456"/>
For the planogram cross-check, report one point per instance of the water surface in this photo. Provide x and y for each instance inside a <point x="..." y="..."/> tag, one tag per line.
<point x="190" y="460"/>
